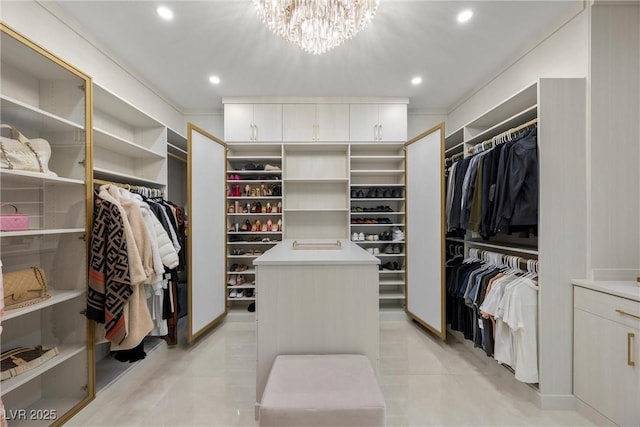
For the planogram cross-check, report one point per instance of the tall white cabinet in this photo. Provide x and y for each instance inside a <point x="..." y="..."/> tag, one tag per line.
<point x="244" y="122"/>
<point x="44" y="97"/>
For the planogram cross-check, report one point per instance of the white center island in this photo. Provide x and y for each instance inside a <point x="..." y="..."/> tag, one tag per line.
<point x="315" y="298"/>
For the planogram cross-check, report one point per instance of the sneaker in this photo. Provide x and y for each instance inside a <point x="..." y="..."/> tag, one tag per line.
<point x="370" y="250"/>
<point x="397" y="234"/>
<point x="240" y="294"/>
<point x="233" y="294"/>
<point x="361" y="237"/>
<point x="376" y="251"/>
<point x="396" y="249"/>
<point x="388" y="249"/>
<point x="354" y="237"/>
<point x="232" y="280"/>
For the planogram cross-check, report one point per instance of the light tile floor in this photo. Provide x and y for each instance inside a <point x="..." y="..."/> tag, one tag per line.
<point x="425" y="383"/>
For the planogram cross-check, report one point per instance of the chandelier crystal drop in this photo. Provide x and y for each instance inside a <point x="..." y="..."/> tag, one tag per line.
<point x="316" y="26"/>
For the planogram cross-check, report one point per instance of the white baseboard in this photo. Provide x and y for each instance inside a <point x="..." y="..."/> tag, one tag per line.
<point x="592" y="415"/>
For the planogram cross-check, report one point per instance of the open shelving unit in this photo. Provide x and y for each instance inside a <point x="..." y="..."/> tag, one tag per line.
<point x="44" y="97"/>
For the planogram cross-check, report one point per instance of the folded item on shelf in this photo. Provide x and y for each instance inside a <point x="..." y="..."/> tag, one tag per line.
<point x="24" y="287"/>
<point x="14" y="221"/>
<point x="21" y="153"/>
<point x="23" y="359"/>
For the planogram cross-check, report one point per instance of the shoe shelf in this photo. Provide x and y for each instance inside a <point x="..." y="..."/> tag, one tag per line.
<point x="253" y="159"/>
<point x="247" y="272"/>
<point x="381" y="159"/>
<point x="379" y="199"/>
<point x="252" y="181"/>
<point x="272" y="242"/>
<point x="396" y="185"/>
<point x="376" y="172"/>
<point x="391" y="282"/>
<point x="253" y="232"/>
<point x="242" y="299"/>
<point x="241" y="286"/>
<point x="381" y="254"/>
<point x="358" y="213"/>
<point x="254" y="197"/>
<point x="243" y="256"/>
<point x="400" y="224"/>
<point x="255" y="214"/>
<point x="315" y="180"/>
<point x="391" y="271"/>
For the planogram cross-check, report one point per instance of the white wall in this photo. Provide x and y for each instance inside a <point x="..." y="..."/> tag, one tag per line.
<point x="212" y="121"/>
<point x="563" y="54"/>
<point x="39" y="24"/>
<point x="419" y="121"/>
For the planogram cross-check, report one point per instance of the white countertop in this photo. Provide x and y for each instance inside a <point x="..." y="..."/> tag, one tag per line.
<point x="624" y="289"/>
<point x="284" y="254"/>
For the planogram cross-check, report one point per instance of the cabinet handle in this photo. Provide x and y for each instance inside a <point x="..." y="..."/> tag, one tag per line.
<point x="624" y="313"/>
<point x="255" y="136"/>
<point x="317" y="132"/>
<point x="379" y="132"/>
<point x="630" y="337"/>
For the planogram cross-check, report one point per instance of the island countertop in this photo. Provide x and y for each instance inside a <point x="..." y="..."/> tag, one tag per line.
<point x="624" y="289"/>
<point x="285" y="254"/>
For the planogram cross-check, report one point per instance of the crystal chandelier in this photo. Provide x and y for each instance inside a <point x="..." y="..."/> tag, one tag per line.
<point x="316" y="26"/>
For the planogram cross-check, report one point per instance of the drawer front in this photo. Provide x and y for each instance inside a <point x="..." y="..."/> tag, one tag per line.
<point x="610" y="307"/>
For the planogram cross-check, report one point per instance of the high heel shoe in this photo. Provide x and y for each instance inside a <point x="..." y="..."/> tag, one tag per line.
<point x="268" y="208"/>
<point x="279" y="225"/>
<point x="269" y="225"/>
<point x="231" y="209"/>
<point x="265" y="227"/>
<point x="258" y="225"/>
<point x="279" y="207"/>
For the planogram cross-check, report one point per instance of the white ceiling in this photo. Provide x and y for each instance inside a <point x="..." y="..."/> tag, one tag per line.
<point x="226" y="38"/>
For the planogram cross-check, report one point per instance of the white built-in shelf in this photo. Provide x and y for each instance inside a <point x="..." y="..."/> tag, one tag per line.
<point x="254" y="214"/>
<point x="373" y="199"/>
<point x="65" y="353"/>
<point x="315" y="180"/>
<point x="391" y="295"/>
<point x="458" y="148"/>
<point x="24" y="116"/>
<point x="375" y="146"/>
<point x="250" y="272"/>
<point x="254" y="232"/>
<point x="106" y="102"/>
<point x="521" y="101"/>
<point x="454" y="138"/>
<point x="241" y="299"/>
<point x="174" y="149"/>
<point x="391" y="282"/>
<point x="377" y="172"/>
<point x="241" y="287"/>
<point x="110" y="175"/>
<point x="382" y="254"/>
<point x="273" y="242"/>
<point x="41" y="232"/>
<point x="455" y="239"/>
<point x="243" y="256"/>
<point x="254" y="159"/>
<point x="11" y="177"/>
<point x="378" y="213"/>
<point x="254" y="172"/>
<point x="56" y="298"/>
<point x="513" y="121"/>
<point x="384" y="159"/>
<point x="254" y="197"/>
<point x="391" y="271"/>
<point x="373" y="186"/>
<point x="108" y="141"/>
<point x="510" y="248"/>
<point x="377" y="225"/>
<point x="251" y="181"/>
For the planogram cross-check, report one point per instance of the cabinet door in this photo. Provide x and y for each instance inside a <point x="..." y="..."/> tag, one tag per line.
<point x="207" y="230"/>
<point x="392" y="119"/>
<point x="603" y="378"/>
<point x="333" y="122"/>
<point x="363" y="120"/>
<point x="298" y="122"/>
<point x="268" y="121"/>
<point x="424" y="160"/>
<point x="238" y="122"/>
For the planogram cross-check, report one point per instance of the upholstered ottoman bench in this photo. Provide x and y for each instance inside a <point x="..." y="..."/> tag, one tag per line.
<point x="322" y="390"/>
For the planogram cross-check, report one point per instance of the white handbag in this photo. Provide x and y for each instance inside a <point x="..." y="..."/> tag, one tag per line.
<point x="21" y="153"/>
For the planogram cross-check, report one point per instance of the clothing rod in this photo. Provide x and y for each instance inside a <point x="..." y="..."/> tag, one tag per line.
<point x="512" y="130"/>
<point x="504" y="248"/>
<point x="522" y="262"/>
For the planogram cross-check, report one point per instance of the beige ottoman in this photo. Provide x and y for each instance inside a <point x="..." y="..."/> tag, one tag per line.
<point x="322" y="390"/>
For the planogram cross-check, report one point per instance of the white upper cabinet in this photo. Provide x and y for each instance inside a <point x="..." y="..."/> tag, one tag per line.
<point x="378" y="122"/>
<point x="252" y="122"/>
<point x="315" y="122"/>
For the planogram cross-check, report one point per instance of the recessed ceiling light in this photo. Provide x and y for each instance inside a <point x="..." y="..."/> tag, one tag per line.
<point x="214" y="80"/>
<point x="165" y="13"/>
<point x="416" y="80"/>
<point x="465" y="15"/>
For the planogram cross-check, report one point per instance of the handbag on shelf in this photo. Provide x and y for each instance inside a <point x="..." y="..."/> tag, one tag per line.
<point x="22" y="359"/>
<point x="22" y="153"/>
<point x="24" y="287"/>
<point x="15" y="221"/>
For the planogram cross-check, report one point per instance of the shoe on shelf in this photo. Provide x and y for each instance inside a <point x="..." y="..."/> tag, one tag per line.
<point x="233" y="293"/>
<point x="268" y="208"/>
<point x="376" y="251"/>
<point x="239" y="279"/>
<point x="354" y="237"/>
<point x="370" y="250"/>
<point x="248" y="293"/>
<point x="271" y="168"/>
<point x="369" y="238"/>
<point x="397" y="234"/>
<point x="240" y="293"/>
<point x="360" y="237"/>
<point x="388" y="249"/>
<point x="232" y="280"/>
